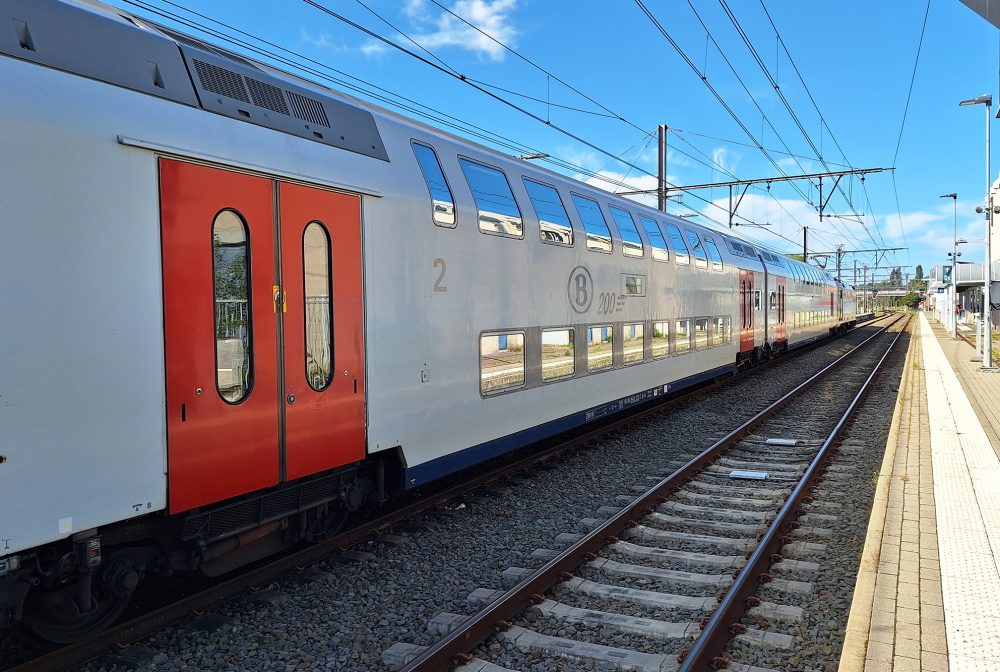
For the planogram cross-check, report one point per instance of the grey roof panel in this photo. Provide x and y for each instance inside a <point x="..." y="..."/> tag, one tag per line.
<point x="96" y="43"/>
<point x="237" y="88"/>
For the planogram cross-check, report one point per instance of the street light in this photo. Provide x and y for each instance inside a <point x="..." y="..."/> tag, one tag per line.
<point x="953" y="315"/>
<point x="987" y="100"/>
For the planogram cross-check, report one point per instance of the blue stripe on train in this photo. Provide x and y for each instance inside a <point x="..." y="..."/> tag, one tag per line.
<point x="447" y="464"/>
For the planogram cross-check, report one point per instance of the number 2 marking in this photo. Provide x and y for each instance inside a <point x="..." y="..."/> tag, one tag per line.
<point x="439" y="263"/>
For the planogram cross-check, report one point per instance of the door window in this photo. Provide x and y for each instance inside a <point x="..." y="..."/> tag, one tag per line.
<point x="231" y="279"/>
<point x="318" y="305"/>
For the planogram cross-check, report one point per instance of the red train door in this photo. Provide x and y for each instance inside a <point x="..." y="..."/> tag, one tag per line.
<point x="323" y="359"/>
<point x="264" y="331"/>
<point x="222" y="385"/>
<point x="746" y="311"/>
<point x="781" y="333"/>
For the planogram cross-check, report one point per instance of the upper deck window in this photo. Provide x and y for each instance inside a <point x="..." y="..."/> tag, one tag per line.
<point x="657" y="245"/>
<point x="713" y="252"/>
<point x="631" y="242"/>
<point x="700" y="260"/>
<point x="598" y="233"/>
<point x="553" y="222"/>
<point x="680" y="247"/>
<point x="498" y="211"/>
<point x="441" y="199"/>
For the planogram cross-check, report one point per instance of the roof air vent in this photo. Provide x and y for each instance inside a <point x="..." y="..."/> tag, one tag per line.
<point x="266" y="95"/>
<point x="308" y="109"/>
<point x="220" y="80"/>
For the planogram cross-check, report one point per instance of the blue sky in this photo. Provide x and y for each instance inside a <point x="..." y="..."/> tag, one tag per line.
<point x="856" y="58"/>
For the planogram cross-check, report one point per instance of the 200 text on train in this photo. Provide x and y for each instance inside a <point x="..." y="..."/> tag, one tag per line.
<point x="238" y="305"/>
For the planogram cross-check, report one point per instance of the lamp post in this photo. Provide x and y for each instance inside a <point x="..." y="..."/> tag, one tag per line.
<point x="954" y="265"/>
<point x="987" y="100"/>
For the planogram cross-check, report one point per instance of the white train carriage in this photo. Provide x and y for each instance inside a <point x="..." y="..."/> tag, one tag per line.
<point x="241" y="304"/>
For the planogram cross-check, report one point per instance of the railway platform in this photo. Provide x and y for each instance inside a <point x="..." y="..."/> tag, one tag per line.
<point x="928" y="590"/>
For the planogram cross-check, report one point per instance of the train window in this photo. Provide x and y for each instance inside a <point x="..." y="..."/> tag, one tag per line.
<point x="598" y="233"/>
<point x="558" y="354"/>
<point x="233" y="327"/>
<point x="682" y="336"/>
<point x="631" y="242"/>
<point x="680" y="248"/>
<point x="498" y="211"/>
<point x="318" y="305"/>
<point x="700" y="260"/>
<point x="713" y="253"/>
<point x="660" y="343"/>
<point x="553" y="223"/>
<point x="657" y="245"/>
<point x="756" y="299"/>
<point x="501" y="361"/>
<point x="720" y="333"/>
<point x="441" y="200"/>
<point x="772" y="300"/>
<point x="633" y="343"/>
<point x="633" y="285"/>
<point x="600" y="348"/>
<point x="701" y="333"/>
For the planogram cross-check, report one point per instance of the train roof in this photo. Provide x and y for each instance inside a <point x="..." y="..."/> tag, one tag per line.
<point x="170" y="64"/>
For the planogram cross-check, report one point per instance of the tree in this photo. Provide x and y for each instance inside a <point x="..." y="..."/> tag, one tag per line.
<point x="896" y="276"/>
<point x="919" y="274"/>
<point x="911" y="300"/>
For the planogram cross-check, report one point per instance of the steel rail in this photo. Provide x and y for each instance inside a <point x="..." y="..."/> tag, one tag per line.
<point x="451" y="649"/>
<point x="123" y="635"/>
<point x="705" y="653"/>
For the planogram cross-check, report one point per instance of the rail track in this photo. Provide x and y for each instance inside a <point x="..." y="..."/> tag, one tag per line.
<point x="698" y="545"/>
<point x="191" y="606"/>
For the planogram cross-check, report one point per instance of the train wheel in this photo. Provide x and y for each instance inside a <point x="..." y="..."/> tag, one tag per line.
<point x="55" y="615"/>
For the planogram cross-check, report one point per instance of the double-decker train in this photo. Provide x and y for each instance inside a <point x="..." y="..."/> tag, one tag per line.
<point x="238" y="305"/>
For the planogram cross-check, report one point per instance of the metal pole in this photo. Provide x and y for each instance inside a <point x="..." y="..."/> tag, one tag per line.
<point x="661" y="189"/>
<point x="805" y="252"/>
<point x="864" y="286"/>
<point x="954" y="271"/>
<point x="730" y="206"/>
<point x="988" y="328"/>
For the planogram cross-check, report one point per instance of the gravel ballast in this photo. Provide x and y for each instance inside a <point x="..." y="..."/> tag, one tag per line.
<point x="348" y="612"/>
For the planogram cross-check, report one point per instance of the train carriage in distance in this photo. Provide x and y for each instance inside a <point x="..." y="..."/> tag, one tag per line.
<point x="241" y="305"/>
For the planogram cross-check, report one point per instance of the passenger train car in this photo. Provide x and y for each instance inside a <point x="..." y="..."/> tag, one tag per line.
<point x="238" y="305"/>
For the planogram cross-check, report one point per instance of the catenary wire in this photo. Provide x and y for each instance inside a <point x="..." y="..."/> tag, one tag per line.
<point x="444" y="119"/>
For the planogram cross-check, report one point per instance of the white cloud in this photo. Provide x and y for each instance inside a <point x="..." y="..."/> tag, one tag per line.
<point x="371" y="48"/>
<point x="930" y="232"/>
<point x="796" y="166"/>
<point x="415" y="8"/>
<point x="728" y="160"/>
<point x="777" y="217"/>
<point x="491" y="17"/>
<point x="323" y="41"/>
